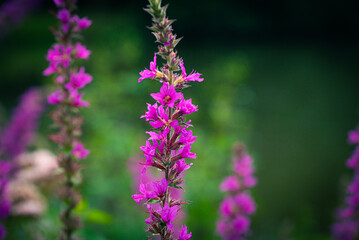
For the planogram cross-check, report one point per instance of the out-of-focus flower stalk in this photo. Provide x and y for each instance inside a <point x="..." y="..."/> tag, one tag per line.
<point x="14" y="140"/>
<point x="170" y="141"/>
<point x="347" y="216"/>
<point x="69" y="79"/>
<point x="238" y="205"/>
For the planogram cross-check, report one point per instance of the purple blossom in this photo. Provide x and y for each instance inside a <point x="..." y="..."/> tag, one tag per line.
<point x="21" y="130"/>
<point x="346" y="226"/>
<point x="193" y="76"/>
<point x="78" y="80"/>
<point x="152" y="73"/>
<point x="167" y="95"/>
<point x="231" y="183"/>
<point x="182" y="166"/>
<point x="245" y="203"/>
<point x="151" y="114"/>
<point x="58" y="57"/>
<point x="55" y="97"/>
<point x="160" y="188"/>
<point x="79" y="151"/>
<point x="241" y="224"/>
<point x="83" y="23"/>
<point x="81" y="52"/>
<point x="145" y="194"/>
<point x="236" y="208"/>
<point x="75" y="99"/>
<point x="168" y="215"/>
<point x="183" y="235"/>
<point x="186" y="107"/>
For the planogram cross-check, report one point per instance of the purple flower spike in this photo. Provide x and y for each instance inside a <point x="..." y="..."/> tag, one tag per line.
<point x="236" y="208"/>
<point x="21" y="130"/>
<point x="169" y="145"/>
<point x="347" y="216"/>
<point x="70" y="80"/>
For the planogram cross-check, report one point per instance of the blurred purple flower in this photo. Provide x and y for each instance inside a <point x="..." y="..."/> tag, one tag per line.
<point x="347" y="216"/>
<point x="236" y="208"/>
<point x="21" y="130"/>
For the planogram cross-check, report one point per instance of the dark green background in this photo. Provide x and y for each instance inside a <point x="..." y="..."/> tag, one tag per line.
<point x="282" y="76"/>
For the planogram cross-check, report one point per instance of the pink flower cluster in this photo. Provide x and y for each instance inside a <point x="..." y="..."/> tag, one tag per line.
<point x="166" y="149"/>
<point x="169" y="143"/>
<point x="148" y="177"/>
<point x="238" y="205"/>
<point x="69" y="78"/>
<point x="347" y="225"/>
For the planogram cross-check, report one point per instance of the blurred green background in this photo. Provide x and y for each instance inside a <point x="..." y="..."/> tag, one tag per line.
<point x="281" y="76"/>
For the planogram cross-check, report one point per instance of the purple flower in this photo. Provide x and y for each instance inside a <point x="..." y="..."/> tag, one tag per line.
<point x="161" y="136"/>
<point x="183" y="235"/>
<point x="58" y="57"/>
<point x="167" y="95"/>
<point x="186" y="107"/>
<point x="55" y="97"/>
<point x="353" y="136"/>
<point x="245" y="203"/>
<point x="238" y="205"/>
<point x="168" y="215"/>
<point x="231" y="183"/>
<point x="241" y="224"/>
<point x="64" y="16"/>
<point x="146" y="194"/>
<point x="83" y="23"/>
<point x="347" y="223"/>
<point x="227" y="207"/>
<point x="76" y="99"/>
<point x="21" y="130"/>
<point x="152" y="73"/>
<point x="193" y="76"/>
<point x="151" y="114"/>
<point x="79" y="80"/>
<point x="81" y="52"/>
<point x="160" y="188"/>
<point x="79" y="151"/>
<point x="182" y="166"/>
<point x="163" y="119"/>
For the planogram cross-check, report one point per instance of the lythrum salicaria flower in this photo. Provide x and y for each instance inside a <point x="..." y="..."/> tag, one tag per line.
<point x="68" y="98"/>
<point x="238" y="205"/>
<point x="347" y="216"/>
<point x="15" y="138"/>
<point x="169" y="143"/>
